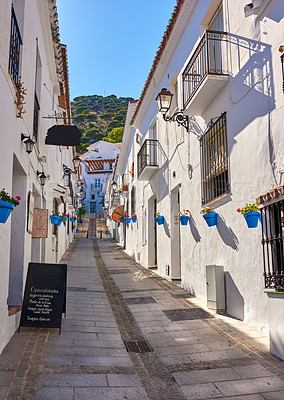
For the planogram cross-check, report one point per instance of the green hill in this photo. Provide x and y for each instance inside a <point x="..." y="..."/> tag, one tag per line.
<point x="99" y="118"/>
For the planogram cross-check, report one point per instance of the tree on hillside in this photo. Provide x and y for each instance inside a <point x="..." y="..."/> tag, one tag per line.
<point x="115" y="136"/>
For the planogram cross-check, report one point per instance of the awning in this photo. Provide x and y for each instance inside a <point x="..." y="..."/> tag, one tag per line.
<point x="63" y="135"/>
<point x="118" y="213"/>
<point x="272" y="194"/>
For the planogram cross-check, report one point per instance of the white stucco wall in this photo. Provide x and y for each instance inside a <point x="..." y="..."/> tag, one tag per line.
<point x="253" y="102"/>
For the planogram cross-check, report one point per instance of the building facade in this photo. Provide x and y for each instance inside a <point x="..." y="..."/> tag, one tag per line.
<point x="219" y="146"/>
<point x="34" y="97"/>
<point x="96" y="165"/>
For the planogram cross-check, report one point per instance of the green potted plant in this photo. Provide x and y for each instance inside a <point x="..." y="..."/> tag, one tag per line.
<point x="7" y="204"/>
<point x="210" y="216"/>
<point x="251" y="214"/>
<point x="134" y="217"/>
<point x="184" y="216"/>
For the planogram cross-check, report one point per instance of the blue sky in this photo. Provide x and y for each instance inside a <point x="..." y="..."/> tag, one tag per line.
<point x="111" y="44"/>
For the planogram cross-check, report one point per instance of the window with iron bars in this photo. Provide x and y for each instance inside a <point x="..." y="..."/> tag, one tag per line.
<point x="133" y="200"/>
<point x="214" y="161"/>
<point x="15" y="48"/>
<point x="272" y="217"/>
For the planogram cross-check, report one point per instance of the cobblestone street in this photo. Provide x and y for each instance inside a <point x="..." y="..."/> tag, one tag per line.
<point x="129" y="334"/>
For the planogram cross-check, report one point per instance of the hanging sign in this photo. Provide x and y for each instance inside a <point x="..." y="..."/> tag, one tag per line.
<point x="40" y="220"/>
<point x="45" y="296"/>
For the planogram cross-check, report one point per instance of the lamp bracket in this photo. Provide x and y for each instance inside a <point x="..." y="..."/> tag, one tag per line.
<point x="179" y="117"/>
<point x="68" y="171"/>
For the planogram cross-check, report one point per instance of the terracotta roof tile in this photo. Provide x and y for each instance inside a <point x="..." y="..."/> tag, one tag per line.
<point x="98" y="165"/>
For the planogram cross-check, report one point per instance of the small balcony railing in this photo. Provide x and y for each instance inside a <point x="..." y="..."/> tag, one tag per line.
<point x="15" y="48"/>
<point x="147" y="156"/>
<point x="209" y="58"/>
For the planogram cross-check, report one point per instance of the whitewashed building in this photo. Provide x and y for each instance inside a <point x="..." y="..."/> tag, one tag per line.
<point x="33" y="64"/>
<point x="219" y="145"/>
<point x="97" y="164"/>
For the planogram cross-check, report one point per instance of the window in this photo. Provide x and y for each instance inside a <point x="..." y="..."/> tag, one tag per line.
<point x="214" y="161"/>
<point x="272" y="216"/>
<point x="133" y="200"/>
<point x="93" y="197"/>
<point x="15" y="48"/>
<point x="37" y="95"/>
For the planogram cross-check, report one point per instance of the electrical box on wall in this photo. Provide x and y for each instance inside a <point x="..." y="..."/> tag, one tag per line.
<point x="215" y="283"/>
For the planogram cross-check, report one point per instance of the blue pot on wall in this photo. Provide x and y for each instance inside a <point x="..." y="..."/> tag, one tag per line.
<point x="60" y="220"/>
<point x="77" y="230"/>
<point x="72" y="219"/>
<point x="160" y="219"/>
<point x="211" y="218"/>
<point x="252" y="218"/>
<point x="54" y="219"/>
<point x="134" y="219"/>
<point x="184" y="219"/>
<point x="122" y="220"/>
<point x="107" y="232"/>
<point x="5" y="210"/>
<point x="128" y="220"/>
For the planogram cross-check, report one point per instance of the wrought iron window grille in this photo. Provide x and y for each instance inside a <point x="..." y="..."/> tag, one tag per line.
<point x="214" y="160"/>
<point x="15" y="48"/>
<point x="272" y="217"/>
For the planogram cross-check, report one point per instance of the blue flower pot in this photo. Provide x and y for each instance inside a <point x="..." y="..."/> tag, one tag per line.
<point x="160" y="219"/>
<point x="54" y="219"/>
<point x="134" y="219"/>
<point x="184" y="219"/>
<point x="211" y="218"/>
<point x="5" y="210"/>
<point x="77" y="230"/>
<point x="72" y="219"/>
<point x="60" y="220"/>
<point x="122" y="220"/>
<point x="107" y="232"/>
<point x="79" y="223"/>
<point x="128" y="220"/>
<point x="252" y="218"/>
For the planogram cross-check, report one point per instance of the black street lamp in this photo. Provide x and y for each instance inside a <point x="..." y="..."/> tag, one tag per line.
<point x="164" y="101"/>
<point x="76" y="162"/>
<point x="42" y="178"/>
<point x="28" y="142"/>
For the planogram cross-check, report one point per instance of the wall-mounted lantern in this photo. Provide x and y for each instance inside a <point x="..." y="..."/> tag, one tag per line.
<point x="28" y="142"/>
<point x="42" y="178"/>
<point x="164" y="101"/>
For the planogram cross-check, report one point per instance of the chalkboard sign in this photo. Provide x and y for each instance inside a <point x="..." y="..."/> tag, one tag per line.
<point x="45" y="296"/>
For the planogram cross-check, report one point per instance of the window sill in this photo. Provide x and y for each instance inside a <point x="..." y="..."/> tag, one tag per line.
<point x="274" y="291"/>
<point x="218" y="201"/>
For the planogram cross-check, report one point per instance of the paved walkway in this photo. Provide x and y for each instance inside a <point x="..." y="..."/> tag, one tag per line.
<point x="113" y="305"/>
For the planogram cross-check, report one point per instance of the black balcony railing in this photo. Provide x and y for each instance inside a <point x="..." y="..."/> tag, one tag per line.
<point x="147" y="155"/>
<point x="209" y="58"/>
<point x="36" y="118"/>
<point x="15" y="46"/>
<point x="272" y="217"/>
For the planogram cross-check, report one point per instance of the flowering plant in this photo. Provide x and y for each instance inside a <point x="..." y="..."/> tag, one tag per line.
<point x="124" y="187"/>
<point x="134" y="215"/>
<point x="10" y="199"/>
<point x="55" y="213"/>
<point x="127" y="216"/>
<point x="157" y="214"/>
<point x="64" y="215"/>
<point x="184" y="212"/>
<point x="131" y="171"/>
<point x="248" y="208"/>
<point x="207" y="210"/>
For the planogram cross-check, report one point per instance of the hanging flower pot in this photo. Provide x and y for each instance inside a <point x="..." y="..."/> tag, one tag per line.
<point x="60" y="220"/>
<point x="72" y="219"/>
<point x="54" y="219"/>
<point x="184" y="219"/>
<point x="252" y="218"/>
<point x="107" y="232"/>
<point x="251" y="214"/>
<point x="134" y="219"/>
<point x="211" y="218"/>
<point x="160" y="219"/>
<point x="5" y="210"/>
<point x="79" y="222"/>
<point x="128" y="219"/>
<point x="122" y="220"/>
<point x="77" y="230"/>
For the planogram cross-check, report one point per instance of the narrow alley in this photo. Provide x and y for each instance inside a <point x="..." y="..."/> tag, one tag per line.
<point x="129" y="334"/>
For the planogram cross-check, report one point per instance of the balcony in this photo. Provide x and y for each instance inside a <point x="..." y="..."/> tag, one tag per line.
<point x="206" y="74"/>
<point x="147" y="160"/>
